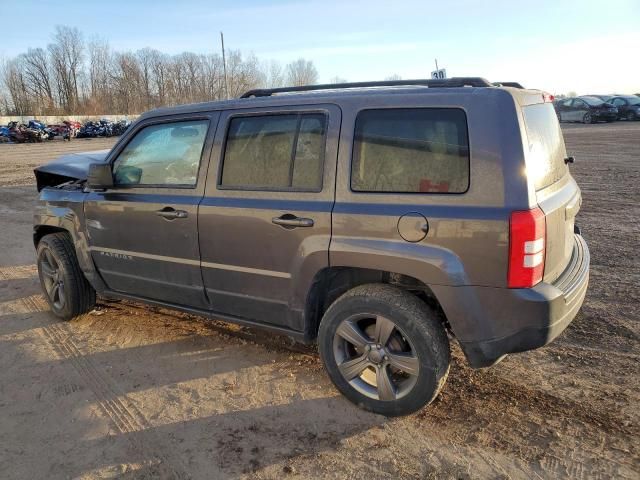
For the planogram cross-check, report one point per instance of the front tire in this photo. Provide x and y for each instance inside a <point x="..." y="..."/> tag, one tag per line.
<point x="631" y="116"/>
<point x="63" y="283"/>
<point x="588" y="118"/>
<point x="384" y="349"/>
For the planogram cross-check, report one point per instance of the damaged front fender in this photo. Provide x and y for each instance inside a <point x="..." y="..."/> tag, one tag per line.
<point x="63" y="210"/>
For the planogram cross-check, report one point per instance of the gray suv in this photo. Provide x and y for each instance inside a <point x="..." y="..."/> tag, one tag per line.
<point x="379" y="219"/>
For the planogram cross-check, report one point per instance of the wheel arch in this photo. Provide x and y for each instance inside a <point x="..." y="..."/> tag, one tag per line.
<point x="40" y="231"/>
<point x="48" y="219"/>
<point x="331" y="282"/>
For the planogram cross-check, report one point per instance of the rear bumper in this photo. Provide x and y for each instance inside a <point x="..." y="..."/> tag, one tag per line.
<point x="492" y="322"/>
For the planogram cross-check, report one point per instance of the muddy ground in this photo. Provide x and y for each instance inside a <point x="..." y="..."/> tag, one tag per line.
<point x="131" y="392"/>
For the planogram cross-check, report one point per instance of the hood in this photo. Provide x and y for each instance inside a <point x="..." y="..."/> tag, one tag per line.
<point x="74" y="166"/>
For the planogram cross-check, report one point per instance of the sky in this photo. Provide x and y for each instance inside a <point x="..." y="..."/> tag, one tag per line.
<point x="559" y="46"/>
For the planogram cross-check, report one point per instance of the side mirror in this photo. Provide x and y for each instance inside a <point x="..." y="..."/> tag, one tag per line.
<point x="100" y="176"/>
<point x="128" y="175"/>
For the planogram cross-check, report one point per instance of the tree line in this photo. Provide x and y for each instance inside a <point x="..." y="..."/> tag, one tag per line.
<point x="73" y="76"/>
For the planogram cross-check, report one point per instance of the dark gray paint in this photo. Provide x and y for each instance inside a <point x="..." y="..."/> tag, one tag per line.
<point x="228" y="258"/>
<point x="237" y="234"/>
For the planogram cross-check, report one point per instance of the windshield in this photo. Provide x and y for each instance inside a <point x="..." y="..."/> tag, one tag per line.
<point x="633" y="100"/>
<point x="593" y="101"/>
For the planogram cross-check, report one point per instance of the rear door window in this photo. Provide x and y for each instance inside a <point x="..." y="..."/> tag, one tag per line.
<point x="275" y="152"/>
<point x="545" y="161"/>
<point x="411" y="151"/>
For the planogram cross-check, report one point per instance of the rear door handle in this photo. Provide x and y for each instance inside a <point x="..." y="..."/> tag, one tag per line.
<point x="170" y="213"/>
<point x="291" y="221"/>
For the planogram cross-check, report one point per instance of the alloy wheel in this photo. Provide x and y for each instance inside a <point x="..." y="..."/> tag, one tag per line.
<point x="376" y="357"/>
<point x="53" y="279"/>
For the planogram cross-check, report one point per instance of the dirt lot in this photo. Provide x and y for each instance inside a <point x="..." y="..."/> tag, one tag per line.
<point x="130" y="391"/>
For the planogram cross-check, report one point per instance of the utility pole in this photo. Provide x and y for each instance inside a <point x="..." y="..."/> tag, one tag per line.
<point x="224" y="66"/>
<point x="434" y="59"/>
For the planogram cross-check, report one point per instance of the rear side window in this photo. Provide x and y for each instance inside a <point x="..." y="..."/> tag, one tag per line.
<point x="275" y="152"/>
<point x="545" y="161"/>
<point x="411" y="151"/>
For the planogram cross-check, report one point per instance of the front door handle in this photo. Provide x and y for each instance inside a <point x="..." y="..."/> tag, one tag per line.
<point x="291" y="221"/>
<point x="170" y="213"/>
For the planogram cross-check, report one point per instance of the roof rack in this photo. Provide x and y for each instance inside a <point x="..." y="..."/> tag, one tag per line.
<point x="431" y="83"/>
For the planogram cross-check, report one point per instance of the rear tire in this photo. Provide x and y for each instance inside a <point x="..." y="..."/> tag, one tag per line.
<point x="588" y="118"/>
<point x="63" y="283"/>
<point x="384" y="349"/>
<point x="631" y="116"/>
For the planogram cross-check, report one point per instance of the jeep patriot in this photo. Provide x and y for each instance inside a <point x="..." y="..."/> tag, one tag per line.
<point x="379" y="219"/>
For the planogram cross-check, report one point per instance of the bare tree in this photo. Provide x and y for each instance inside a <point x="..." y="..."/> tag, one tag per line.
<point x="145" y="62"/>
<point x="242" y="74"/>
<point x="99" y="78"/>
<point x="71" y="77"/>
<point x="16" y="84"/>
<point x="66" y="53"/>
<point x="126" y="82"/>
<point x="274" y="75"/>
<point x="301" y="72"/>
<point x="38" y="78"/>
<point x="160" y="69"/>
<point x="393" y="77"/>
<point x="212" y="82"/>
<point x="338" y="79"/>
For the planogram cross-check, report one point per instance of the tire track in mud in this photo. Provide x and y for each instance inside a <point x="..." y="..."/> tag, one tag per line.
<point x="549" y="423"/>
<point x="124" y="416"/>
<point x="18" y="272"/>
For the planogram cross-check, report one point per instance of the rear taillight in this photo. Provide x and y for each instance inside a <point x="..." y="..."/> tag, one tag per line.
<point x="527" y="237"/>
<point x="547" y="97"/>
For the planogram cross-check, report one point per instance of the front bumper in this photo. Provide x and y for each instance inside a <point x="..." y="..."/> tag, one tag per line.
<point x="609" y="115"/>
<point x="492" y="322"/>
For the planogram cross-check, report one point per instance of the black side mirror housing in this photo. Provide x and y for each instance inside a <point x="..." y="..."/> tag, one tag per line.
<point x="100" y="176"/>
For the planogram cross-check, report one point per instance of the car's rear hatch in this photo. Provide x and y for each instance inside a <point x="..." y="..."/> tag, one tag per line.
<point x="556" y="191"/>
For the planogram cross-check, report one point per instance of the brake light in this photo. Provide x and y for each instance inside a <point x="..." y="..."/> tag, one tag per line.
<point x="547" y="97"/>
<point x="527" y="237"/>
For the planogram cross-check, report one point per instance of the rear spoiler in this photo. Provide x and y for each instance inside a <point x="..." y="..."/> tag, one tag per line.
<point x="508" y="84"/>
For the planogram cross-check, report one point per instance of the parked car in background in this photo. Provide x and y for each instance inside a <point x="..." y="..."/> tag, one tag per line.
<point x="4" y="134"/>
<point x="604" y="98"/>
<point x="36" y="131"/>
<point x="586" y="109"/>
<point x="628" y="106"/>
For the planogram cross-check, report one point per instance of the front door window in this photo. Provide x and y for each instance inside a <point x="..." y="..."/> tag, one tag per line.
<point x="166" y="154"/>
